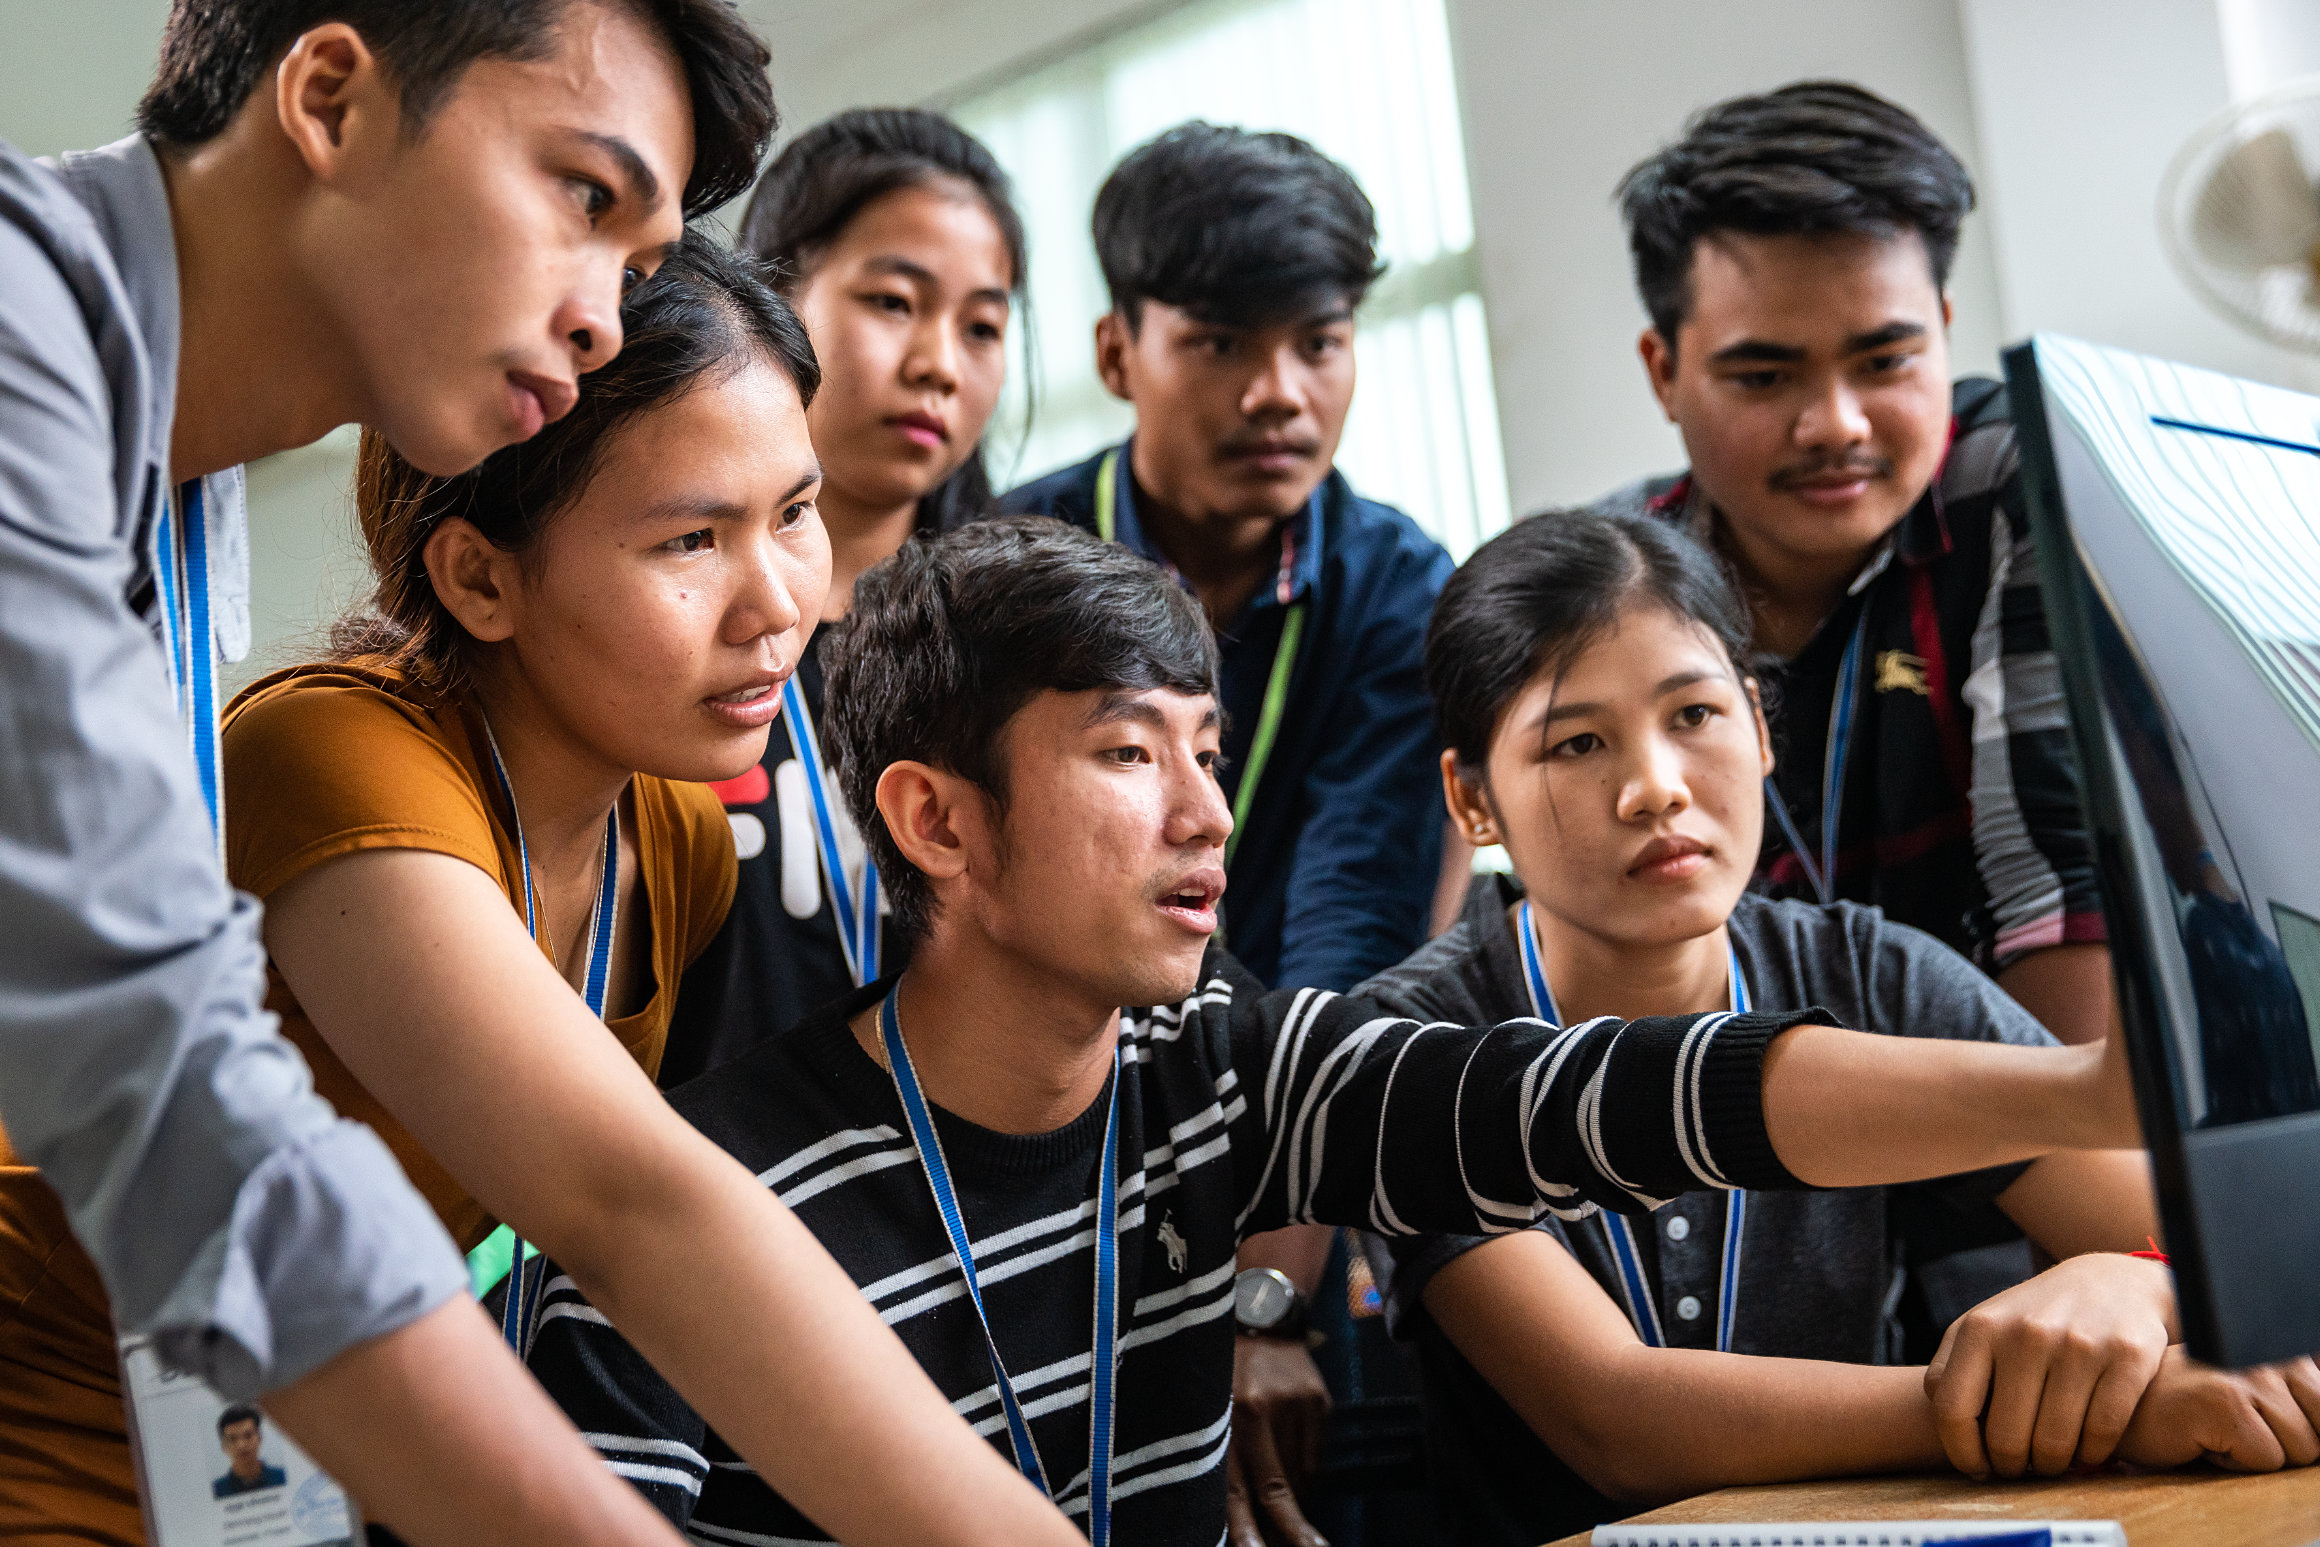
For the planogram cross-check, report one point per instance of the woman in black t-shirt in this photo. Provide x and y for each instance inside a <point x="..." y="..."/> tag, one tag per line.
<point x="903" y="254"/>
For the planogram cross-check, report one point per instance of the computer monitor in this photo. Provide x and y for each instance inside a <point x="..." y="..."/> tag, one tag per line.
<point x="2177" y="520"/>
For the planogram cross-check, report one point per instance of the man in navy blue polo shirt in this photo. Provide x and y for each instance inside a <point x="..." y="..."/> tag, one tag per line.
<point x="1235" y="262"/>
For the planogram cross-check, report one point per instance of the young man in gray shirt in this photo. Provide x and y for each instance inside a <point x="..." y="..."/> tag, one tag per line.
<point x="324" y="218"/>
<point x="1589" y="672"/>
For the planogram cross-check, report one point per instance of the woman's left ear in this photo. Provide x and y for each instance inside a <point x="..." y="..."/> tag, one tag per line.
<point x="1469" y="812"/>
<point x="1763" y="730"/>
<point x="471" y="578"/>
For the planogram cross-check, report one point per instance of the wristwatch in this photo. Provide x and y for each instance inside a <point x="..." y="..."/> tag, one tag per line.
<point x="1266" y="1304"/>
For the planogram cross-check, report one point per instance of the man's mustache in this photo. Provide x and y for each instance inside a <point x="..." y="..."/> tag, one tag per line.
<point x="1823" y="468"/>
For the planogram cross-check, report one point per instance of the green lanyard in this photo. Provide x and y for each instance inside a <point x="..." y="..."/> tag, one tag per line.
<point x="1276" y="683"/>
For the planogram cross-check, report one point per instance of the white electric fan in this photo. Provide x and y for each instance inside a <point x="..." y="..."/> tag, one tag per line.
<point x="2240" y="213"/>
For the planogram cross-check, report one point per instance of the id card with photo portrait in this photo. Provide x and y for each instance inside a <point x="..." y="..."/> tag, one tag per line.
<point x="213" y="1473"/>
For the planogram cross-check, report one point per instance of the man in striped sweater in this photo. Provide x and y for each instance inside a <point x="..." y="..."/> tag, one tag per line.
<point x="1027" y="734"/>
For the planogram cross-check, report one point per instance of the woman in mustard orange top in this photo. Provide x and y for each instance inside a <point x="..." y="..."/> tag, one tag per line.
<point x="486" y="863"/>
<point x="566" y="639"/>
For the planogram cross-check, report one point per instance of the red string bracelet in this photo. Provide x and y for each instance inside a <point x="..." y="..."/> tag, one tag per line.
<point x="2154" y="1254"/>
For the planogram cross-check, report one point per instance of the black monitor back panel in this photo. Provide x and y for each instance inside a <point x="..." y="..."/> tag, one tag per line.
<point x="2177" y="519"/>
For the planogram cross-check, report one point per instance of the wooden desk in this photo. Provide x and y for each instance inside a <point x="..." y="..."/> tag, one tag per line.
<point x="2181" y="1509"/>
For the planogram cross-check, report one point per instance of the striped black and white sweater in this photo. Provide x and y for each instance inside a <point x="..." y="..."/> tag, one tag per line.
<point x="1240" y="1111"/>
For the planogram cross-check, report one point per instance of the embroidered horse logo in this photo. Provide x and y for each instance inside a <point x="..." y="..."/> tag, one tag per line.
<point x="1174" y="1244"/>
<point x="1899" y="671"/>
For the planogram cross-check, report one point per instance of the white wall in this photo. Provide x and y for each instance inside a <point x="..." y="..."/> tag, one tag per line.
<point x="883" y="53"/>
<point x="2080" y="115"/>
<point x="1561" y="97"/>
<point x="2267" y="43"/>
<point x="70" y="75"/>
<point x="307" y="564"/>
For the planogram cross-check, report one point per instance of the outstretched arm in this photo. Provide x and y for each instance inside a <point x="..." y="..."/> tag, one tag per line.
<point x="1847" y="1109"/>
<point x="422" y="979"/>
<point x="1372" y="1120"/>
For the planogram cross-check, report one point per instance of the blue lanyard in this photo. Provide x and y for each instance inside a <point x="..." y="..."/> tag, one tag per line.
<point x="1103" y="1358"/>
<point x="523" y="1296"/>
<point x="1822" y="873"/>
<point x="1642" y="1309"/>
<point x="181" y="568"/>
<point x="858" y="926"/>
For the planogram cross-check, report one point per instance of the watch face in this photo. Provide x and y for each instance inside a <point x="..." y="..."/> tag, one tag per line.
<point x="1261" y="1298"/>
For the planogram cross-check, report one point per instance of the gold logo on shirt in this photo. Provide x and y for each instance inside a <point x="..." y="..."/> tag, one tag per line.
<point x="1899" y="671"/>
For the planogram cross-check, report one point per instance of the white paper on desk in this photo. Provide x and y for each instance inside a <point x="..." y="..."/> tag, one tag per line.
<point x="173" y="1419"/>
<point x="1863" y="1533"/>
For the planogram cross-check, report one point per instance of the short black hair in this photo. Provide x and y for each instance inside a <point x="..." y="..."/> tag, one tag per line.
<point x="949" y="638"/>
<point x="240" y="1412"/>
<point x="1536" y="595"/>
<point x="1239" y="229"/>
<point x="214" y="53"/>
<point x="1818" y="157"/>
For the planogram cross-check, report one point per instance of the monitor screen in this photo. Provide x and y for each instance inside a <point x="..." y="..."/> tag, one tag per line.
<point x="2177" y="514"/>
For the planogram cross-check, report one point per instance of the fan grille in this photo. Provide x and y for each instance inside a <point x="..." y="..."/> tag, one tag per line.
<point x="2240" y="214"/>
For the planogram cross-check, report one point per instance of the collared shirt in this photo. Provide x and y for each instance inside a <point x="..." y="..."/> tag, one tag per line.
<point x="231" y="1213"/>
<point x="1334" y="875"/>
<point x="231" y="1484"/>
<point x="1961" y="810"/>
<point x="1818" y="1274"/>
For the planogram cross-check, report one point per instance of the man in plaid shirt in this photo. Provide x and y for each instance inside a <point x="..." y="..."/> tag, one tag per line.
<point x="1792" y="250"/>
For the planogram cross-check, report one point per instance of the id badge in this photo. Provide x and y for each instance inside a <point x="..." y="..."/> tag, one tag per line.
<point x="213" y="1473"/>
